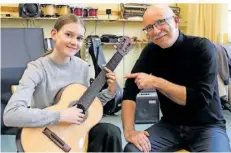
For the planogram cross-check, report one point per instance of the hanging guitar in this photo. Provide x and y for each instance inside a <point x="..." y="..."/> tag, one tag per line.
<point x="94" y="49"/>
<point x="71" y="137"/>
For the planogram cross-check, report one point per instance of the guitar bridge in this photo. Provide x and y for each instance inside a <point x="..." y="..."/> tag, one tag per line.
<point x="58" y="141"/>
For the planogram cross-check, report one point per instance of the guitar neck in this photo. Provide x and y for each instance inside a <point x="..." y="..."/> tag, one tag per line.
<point x="99" y="82"/>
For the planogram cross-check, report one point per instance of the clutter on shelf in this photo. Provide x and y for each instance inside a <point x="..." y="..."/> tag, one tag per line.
<point x="133" y="10"/>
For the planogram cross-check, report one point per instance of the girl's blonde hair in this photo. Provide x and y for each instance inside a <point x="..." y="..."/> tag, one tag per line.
<point x="63" y="20"/>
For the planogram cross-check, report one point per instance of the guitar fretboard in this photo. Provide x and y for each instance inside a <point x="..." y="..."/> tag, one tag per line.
<point x="99" y="82"/>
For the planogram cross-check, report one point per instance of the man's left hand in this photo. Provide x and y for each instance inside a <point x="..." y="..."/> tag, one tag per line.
<point x="143" y="80"/>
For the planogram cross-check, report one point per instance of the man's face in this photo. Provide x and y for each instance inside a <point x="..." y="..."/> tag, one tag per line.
<point x="161" y="29"/>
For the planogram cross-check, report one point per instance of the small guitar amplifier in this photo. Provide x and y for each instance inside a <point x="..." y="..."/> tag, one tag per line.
<point x="147" y="107"/>
<point x="29" y="10"/>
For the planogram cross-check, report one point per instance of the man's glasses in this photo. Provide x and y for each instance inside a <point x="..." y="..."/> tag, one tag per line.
<point x="157" y="24"/>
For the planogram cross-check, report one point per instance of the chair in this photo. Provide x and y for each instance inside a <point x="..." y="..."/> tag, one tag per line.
<point x="9" y="76"/>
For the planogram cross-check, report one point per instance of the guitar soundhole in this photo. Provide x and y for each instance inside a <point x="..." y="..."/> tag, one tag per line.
<point x="80" y="106"/>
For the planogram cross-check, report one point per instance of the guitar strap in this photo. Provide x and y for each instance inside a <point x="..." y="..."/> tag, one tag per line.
<point x="97" y="55"/>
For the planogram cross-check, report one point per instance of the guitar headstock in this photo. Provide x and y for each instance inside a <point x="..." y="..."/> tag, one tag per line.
<point x="88" y="44"/>
<point x="124" y="45"/>
<point x="89" y="41"/>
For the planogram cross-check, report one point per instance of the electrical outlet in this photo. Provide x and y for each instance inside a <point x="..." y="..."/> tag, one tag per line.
<point x="108" y="11"/>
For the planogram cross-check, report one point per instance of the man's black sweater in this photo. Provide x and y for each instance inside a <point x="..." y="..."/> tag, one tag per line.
<point x="190" y="62"/>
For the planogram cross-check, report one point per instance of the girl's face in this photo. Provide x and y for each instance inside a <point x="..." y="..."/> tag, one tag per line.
<point x="69" y="39"/>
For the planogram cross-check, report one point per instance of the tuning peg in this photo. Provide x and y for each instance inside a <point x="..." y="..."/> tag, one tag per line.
<point x="119" y="40"/>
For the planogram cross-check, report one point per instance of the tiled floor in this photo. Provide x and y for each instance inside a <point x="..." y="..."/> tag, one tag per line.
<point x="8" y="141"/>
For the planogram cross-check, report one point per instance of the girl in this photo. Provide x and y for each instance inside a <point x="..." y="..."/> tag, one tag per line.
<point x="45" y="76"/>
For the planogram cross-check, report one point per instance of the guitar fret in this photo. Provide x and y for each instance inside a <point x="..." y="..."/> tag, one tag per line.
<point x="114" y="61"/>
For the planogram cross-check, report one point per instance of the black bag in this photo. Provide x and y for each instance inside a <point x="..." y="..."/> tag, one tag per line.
<point x="108" y="38"/>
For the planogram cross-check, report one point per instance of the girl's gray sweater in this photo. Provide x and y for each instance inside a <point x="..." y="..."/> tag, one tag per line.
<point x="38" y="87"/>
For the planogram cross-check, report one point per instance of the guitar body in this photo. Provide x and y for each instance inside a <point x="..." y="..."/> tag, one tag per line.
<point x="75" y="136"/>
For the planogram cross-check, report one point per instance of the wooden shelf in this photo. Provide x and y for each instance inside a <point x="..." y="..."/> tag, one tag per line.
<point x="182" y="23"/>
<point x="55" y="18"/>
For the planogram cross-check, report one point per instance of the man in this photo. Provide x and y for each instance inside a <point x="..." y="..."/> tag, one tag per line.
<point x="183" y="70"/>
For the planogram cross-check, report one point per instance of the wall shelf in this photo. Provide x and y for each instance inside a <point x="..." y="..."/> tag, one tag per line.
<point x="85" y="19"/>
<point x="182" y="23"/>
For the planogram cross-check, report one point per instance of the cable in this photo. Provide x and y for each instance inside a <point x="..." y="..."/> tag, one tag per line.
<point x="96" y="23"/>
<point x="25" y="44"/>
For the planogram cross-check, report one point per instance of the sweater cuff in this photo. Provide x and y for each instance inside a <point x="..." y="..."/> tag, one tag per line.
<point x="109" y="94"/>
<point x="56" y="117"/>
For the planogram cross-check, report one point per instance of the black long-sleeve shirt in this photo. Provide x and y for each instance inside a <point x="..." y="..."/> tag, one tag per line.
<point x="190" y="62"/>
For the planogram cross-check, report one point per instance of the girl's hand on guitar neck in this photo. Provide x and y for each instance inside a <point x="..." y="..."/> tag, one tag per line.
<point x="111" y="80"/>
<point x="72" y="115"/>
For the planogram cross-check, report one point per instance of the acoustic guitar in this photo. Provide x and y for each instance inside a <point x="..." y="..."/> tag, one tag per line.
<point x="65" y="137"/>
